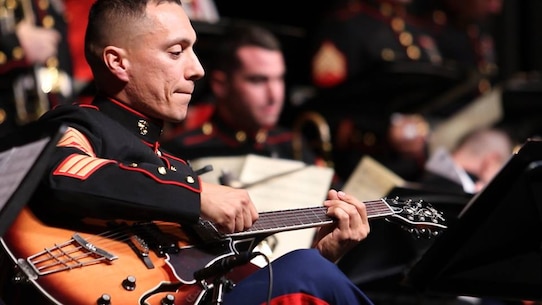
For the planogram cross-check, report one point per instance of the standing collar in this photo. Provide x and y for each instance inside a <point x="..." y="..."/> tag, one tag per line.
<point x="144" y="127"/>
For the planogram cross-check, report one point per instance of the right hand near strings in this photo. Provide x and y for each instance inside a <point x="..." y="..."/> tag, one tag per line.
<point x="229" y="208"/>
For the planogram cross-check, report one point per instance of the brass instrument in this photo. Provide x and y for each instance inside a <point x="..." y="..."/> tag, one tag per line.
<point x="322" y="145"/>
<point x="31" y="90"/>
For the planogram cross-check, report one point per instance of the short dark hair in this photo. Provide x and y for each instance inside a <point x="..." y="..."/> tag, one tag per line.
<point x="107" y="15"/>
<point x="238" y="35"/>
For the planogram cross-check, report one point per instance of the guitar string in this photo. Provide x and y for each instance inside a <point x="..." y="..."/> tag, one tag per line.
<point x="106" y="239"/>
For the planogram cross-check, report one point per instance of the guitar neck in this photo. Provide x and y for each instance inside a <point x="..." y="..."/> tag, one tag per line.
<point x="302" y="218"/>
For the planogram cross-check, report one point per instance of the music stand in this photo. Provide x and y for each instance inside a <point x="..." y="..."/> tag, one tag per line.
<point x="494" y="248"/>
<point x="23" y="155"/>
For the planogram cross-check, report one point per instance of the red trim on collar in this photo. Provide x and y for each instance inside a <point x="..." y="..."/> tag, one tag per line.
<point x="130" y="109"/>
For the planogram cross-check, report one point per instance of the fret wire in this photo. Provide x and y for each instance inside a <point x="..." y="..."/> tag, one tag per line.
<point x="311" y="215"/>
<point x="279" y="219"/>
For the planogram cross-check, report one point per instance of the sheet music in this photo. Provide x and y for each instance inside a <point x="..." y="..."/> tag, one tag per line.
<point x="482" y="112"/>
<point x="15" y="164"/>
<point x="301" y="185"/>
<point x="371" y="180"/>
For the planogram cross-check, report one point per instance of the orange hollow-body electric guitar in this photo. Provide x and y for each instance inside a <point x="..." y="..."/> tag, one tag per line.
<point x="153" y="263"/>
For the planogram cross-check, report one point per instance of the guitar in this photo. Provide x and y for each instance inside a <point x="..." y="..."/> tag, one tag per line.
<point x="149" y="262"/>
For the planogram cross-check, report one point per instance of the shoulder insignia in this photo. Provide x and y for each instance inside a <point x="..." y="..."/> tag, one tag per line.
<point x="80" y="166"/>
<point x="74" y="138"/>
<point x="328" y="66"/>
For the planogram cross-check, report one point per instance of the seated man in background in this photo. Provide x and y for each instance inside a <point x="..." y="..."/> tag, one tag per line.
<point x="247" y="82"/>
<point x="472" y="163"/>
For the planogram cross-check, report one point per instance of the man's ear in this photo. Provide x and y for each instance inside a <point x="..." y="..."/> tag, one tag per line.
<point x="218" y="83"/>
<point x="116" y="62"/>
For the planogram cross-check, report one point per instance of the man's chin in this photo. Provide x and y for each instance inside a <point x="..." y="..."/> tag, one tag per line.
<point x="268" y="125"/>
<point x="177" y="117"/>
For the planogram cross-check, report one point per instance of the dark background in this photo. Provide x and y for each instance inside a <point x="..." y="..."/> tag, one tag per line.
<point x="517" y="29"/>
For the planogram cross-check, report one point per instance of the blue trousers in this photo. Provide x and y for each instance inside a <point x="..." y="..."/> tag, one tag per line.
<point x="303" y="272"/>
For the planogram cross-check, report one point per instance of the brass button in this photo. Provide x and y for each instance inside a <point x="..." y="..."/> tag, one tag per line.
<point x="413" y="52"/>
<point x="17" y="53"/>
<point x="48" y="22"/>
<point x="397" y="24"/>
<point x="261" y="136"/>
<point x="405" y="38"/>
<point x="162" y="170"/>
<point x="133" y="165"/>
<point x="190" y="179"/>
<point x="173" y="168"/>
<point x="207" y="128"/>
<point x="387" y="54"/>
<point x="158" y="153"/>
<point x="241" y="136"/>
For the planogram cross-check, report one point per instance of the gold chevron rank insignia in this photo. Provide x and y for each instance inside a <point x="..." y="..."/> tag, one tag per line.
<point x="80" y="166"/>
<point x="74" y="138"/>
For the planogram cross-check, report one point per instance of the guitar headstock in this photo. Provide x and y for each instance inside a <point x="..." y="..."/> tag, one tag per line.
<point x="417" y="217"/>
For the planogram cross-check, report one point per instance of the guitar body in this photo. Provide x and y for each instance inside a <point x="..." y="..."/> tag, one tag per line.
<point x="87" y="284"/>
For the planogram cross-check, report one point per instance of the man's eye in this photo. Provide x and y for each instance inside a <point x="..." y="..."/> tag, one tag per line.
<point x="256" y="79"/>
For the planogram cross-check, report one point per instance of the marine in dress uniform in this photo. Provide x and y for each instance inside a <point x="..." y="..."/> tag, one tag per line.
<point x="109" y="165"/>
<point x="372" y="59"/>
<point x="20" y="79"/>
<point x="94" y="139"/>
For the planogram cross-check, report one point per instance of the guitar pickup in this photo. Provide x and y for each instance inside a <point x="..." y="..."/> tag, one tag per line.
<point x="157" y="240"/>
<point x="142" y="250"/>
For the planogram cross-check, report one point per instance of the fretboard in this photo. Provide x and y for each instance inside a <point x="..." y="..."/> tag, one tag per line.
<point x="302" y="218"/>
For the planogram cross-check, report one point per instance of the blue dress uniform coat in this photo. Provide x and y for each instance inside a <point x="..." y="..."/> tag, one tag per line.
<point x="109" y="161"/>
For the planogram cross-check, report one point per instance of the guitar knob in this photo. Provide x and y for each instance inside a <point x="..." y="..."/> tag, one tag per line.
<point x="105" y="299"/>
<point x="129" y="283"/>
<point x="169" y="299"/>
